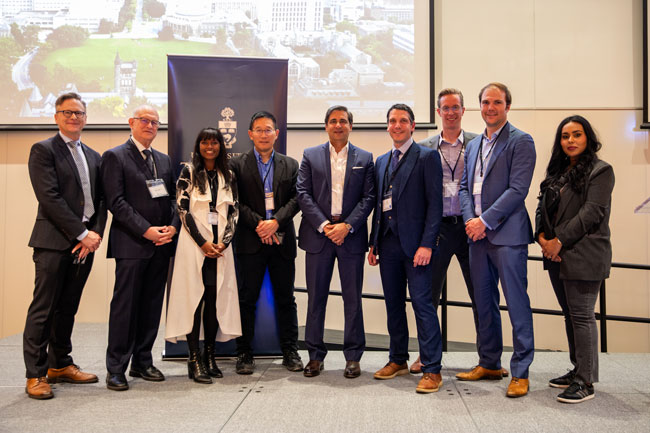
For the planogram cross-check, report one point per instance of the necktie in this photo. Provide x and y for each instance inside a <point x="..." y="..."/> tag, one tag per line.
<point x="395" y="160"/>
<point x="77" y="155"/>
<point x="148" y="158"/>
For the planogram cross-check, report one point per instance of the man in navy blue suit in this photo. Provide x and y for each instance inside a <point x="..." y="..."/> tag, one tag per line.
<point x="499" y="166"/>
<point x="336" y="193"/>
<point x="405" y="227"/>
<point x="140" y="187"/>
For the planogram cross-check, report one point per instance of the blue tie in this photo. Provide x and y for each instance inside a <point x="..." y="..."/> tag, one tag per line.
<point x="395" y="160"/>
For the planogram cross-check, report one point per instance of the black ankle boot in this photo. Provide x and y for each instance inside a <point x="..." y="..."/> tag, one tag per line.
<point x="196" y="369"/>
<point x="210" y="362"/>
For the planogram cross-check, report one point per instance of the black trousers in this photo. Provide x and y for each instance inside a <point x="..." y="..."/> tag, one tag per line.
<point x="282" y="271"/>
<point x="50" y="318"/>
<point x="135" y="311"/>
<point x="453" y="241"/>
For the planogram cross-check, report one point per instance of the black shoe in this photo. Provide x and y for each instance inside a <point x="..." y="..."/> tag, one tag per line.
<point x="196" y="369"/>
<point x="352" y="369"/>
<point x="117" y="382"/>
<point x="292" y="361"/>
<point x="577" y="393"/>
<point x="210" y="362"/>
<point x="563" y="381"/>
<point x="245" y="363"/>
<point x="150" y="373"/>
<point x="313" y="368"/>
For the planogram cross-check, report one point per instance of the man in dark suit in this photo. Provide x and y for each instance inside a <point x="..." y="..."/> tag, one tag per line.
<point x="498" y="169"/>
<point x="336" y="193"/>
<point x="451" y="143"/>
<point x="265" y="237"/>
<point x="405" y="228"/>
<point x="68" y="230"/>
<point x="140" y="193"/>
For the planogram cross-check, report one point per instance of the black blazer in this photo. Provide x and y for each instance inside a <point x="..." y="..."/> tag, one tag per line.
<point x="124" y="175"/>
<point x="57" y="186"/>
<point x="582" y="225"/>
<point x="251" y="202"/>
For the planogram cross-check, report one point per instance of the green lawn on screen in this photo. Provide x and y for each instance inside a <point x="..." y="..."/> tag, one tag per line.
<point x="95" y="59"/>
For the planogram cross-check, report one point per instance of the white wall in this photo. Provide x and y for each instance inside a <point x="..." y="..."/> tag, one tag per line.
<point x="558" y="58"/>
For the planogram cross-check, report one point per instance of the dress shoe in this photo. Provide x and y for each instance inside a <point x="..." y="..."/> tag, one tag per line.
<point x="38" y="388"/>
<point x="70" y="374"/>
<point x="292" y="361"/>
<point x="313" y="368"/>
<point x="504" y="372"/>
<point x="430" y="382"/>
<point x="416" y="367"/>
<point x="116" y="382"/>
<point x="352" y="369"/>
<point x="391" y="370"/>
<point x="480" y="373"/>
<point x="150" y="373"/>
<point x="210" y="361"/>
<point x="517" y="388"/>
<point x="245" y="363"/>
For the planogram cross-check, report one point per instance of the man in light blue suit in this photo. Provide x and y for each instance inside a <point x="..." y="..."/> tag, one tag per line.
<point x="405" y="227"/>
<point x="498" y="169"/>
<point x="336" y="193"/>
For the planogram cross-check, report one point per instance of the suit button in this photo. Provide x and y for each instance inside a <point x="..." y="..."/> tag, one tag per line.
<point x="390" y="218"/>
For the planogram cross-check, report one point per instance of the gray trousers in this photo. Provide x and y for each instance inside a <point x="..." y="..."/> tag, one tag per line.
<point x="578" y="300"/>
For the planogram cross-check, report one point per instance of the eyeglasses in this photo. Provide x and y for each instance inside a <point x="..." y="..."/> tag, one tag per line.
<point x="263" y="131"/>
<point x="68" y="113"/>
<point x="454" y="109"/>
<point x="145" y="122"/>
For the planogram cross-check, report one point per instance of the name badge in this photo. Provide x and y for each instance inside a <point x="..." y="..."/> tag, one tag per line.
<point x="268" y="201"/>
<point x="157" y="188"/>
<point x="451" y="189"/>
<point x="387" y="202"/>
<point x="478" y="186"/>
<point x="213" y="218"/>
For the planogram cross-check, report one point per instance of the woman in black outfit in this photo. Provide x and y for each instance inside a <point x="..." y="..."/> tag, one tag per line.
<point x="572" y="227"/>
<point x="203" y="284"/>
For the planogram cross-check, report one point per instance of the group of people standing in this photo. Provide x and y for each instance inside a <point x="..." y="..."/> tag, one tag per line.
<point x="456" y="193"/>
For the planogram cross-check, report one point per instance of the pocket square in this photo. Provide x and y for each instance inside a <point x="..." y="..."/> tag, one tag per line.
<point x="356" y="168"/>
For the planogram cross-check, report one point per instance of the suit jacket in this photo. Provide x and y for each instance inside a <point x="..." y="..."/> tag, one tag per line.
<point x="582" y="225"/>
<point x="124" y="174"/>
<point x="417" y="199"/>
<point x="251" y="202"/>
<point x="506" y="182"/>
<point x="315" y="197"/>
<point x="57" y="186"/>
<point x="432" y="142"/>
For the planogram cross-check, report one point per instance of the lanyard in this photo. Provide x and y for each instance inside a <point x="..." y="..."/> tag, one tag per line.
<point x="480" y="150"/>
<point x="268" y="170"/>
<point x="452" y="170"/>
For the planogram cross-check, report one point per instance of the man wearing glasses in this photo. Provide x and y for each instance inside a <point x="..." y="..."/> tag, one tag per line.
<point x="266" y="237"/>
<point x="139" y="183"/>
<point x="68" y="230"/>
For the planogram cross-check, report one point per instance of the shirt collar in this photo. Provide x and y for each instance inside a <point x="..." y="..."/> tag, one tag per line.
<point x="343" y="152"/>
<point x="460" y="139"/>
<point x="404" y="147"/>
<point x="67" y="139"/>
<point x="258" y="157"/>
<point x="496" y="134"/>
<point x="139" y="145"/>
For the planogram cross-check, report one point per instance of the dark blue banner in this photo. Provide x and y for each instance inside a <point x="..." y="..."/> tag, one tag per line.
<point x="224" y="92"/>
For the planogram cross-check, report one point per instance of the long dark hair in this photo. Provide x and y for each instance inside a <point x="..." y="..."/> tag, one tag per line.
<point x="221" y="163"/>
<point x="576" y="176"/>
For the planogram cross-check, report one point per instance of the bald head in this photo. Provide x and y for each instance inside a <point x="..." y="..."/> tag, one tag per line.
<point x="144" y="124"/>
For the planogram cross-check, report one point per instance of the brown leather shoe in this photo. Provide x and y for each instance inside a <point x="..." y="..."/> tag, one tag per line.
<point x="518" y="387"/>
<point x="313" y="368"/>
<point x="430" y="382"/>
<point x="504" y="372"/>
<point x="70" y="374"/>
<point x="352" y="369"/>
<point x="38" y="388"/>
<point x="480" y="373"/>
<point x="391" y="370"/>
<point x="416" y="367"/>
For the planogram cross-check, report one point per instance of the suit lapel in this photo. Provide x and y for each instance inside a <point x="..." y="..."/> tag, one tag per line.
<point x="380" y="173"/>
<point x="498" y="147"/>
<point x="92" y="171"/>
<point x="569" y="196"/>
<point x="328" y="168"/>
<point x="64" y="151"/>
<point x="278" y="173"/>
<point x="352" y="160"/>
<point x="251" y="167"/>
<point x="138" y="159"/>
<point x="405" y="168"/>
